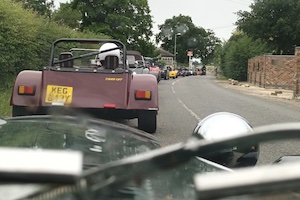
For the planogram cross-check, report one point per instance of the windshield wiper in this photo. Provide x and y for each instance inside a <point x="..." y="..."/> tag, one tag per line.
<point x="109" y="178"/>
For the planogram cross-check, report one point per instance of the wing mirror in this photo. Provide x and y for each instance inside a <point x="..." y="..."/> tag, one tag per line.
<point x="225" y="125"/>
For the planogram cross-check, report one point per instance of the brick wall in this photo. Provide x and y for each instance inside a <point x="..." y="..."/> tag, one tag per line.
<point x="297" y="72"/>
<point x="276" y="71"/>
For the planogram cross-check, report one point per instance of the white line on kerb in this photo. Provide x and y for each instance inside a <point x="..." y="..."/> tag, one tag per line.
<point x="189" y="110"/>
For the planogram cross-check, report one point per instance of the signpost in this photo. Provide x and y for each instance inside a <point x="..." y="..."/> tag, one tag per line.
<point x="190" y="54"/>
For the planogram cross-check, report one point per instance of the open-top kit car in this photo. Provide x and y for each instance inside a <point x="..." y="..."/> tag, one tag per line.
<point x="88" y="76"/>
<point x="136" y="62"/>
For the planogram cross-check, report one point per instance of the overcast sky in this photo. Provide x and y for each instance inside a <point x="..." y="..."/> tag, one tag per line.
<point x="217" y="15"/>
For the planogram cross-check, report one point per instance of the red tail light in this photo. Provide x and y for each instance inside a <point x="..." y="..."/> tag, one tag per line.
<point x="26" y="90"/>
<point x="143" y="95"/>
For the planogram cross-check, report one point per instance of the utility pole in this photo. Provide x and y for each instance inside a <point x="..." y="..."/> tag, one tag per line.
<point x="175" y="51"/>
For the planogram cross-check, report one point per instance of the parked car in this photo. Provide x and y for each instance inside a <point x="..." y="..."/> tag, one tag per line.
<point x="188" y="72"/>
<point x="156" y="72"/>
<point x="181" y="72"/>
<point x="136" y="62"/>
<point x="164" y="73"/>
<point x="153" y="69"/>
<point x="104" y="88"/>
<point x="173" y="74"/>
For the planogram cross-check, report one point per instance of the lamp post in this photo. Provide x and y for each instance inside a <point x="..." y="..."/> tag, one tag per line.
<point x="175" y="52"/>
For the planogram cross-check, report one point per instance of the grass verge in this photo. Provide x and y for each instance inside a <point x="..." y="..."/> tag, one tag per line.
<point x="5" y="108"/>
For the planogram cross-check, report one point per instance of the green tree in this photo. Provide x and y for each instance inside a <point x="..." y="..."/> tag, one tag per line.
<point x="188" y="37"/>
<point x="217" y="55"/>
<point x="67" y="15"/>
<point x="126" y="20"/>
<point x="25" y="40"/>
<point x="275" y="21"/>
<point x="42" y="7"/>
<point x="235" y="54"/>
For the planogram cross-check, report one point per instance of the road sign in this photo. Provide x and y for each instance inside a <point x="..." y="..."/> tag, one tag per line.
<point x="189" y="53"/>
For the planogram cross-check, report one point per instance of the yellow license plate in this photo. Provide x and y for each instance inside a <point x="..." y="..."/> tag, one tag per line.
<point x="59" y="94"/>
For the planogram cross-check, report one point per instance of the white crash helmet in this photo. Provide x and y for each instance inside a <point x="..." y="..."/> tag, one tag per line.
<point x="107" y="46"/>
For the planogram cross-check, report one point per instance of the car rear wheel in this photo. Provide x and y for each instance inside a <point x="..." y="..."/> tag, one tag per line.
<point x="147" y="121"/>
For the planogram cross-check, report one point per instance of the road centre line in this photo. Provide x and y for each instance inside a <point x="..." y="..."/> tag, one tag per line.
<point x="185" y="106"/>
<point x="175" y="82"/>
<point x="172" y="88"/>
<point x="189" y="110"/>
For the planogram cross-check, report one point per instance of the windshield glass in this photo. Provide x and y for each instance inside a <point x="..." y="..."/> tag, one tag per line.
<point x="100" y="143"/>
<point x="131" y="60"/>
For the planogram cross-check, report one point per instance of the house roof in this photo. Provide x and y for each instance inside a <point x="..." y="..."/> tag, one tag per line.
<point x="131" y="52"/>
<point x="165" y="53"/>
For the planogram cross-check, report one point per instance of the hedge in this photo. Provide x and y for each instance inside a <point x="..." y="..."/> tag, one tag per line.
<point x="25" y="40"/>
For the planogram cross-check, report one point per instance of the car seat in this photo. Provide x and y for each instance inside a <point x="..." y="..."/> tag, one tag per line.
<point x="66" y="55"/>
<point x="111" y="62"/>
<point x="109" y="59"/>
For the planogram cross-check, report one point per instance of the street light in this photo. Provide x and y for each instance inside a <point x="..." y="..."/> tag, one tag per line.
<point x="175" y="53"/>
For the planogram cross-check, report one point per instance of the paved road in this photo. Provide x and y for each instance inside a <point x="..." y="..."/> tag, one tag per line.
<point x="185" y="101"/>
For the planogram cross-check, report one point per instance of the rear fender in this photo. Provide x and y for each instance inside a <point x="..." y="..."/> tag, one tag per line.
<point x="143" y="82"/>
<point x="27" y="78"/>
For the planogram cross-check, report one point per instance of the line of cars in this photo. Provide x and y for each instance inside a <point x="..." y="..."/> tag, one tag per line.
<point x="168" y="72"/>
<point x="142" y="65"/>
<point x="147" y="65"/>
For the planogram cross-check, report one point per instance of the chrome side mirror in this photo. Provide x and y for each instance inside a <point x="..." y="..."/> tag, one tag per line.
<point x="223" y="125"/>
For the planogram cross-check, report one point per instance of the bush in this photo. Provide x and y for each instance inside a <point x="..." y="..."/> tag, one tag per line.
<point x="25" y="40"/>
<point x="235" y="55"/>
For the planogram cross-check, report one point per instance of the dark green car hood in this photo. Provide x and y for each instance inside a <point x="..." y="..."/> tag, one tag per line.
<point x="100" y="141"/>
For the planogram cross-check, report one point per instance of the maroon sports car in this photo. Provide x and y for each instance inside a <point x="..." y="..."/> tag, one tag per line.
<point x="89" y="76"/>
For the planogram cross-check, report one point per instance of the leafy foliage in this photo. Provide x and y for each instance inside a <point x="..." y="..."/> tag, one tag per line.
<point x="42" y="7"/>
<point x="188" y="37"/>
<point x="128" y="21"/>
<point x="275" y="21"/>
<point x="235" y="55"/>
<point x="25" y="40"/>
<point x="67" y="15"/>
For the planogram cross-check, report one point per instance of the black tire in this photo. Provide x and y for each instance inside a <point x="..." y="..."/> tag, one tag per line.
<point x="147" y="121"/>
<point x="19" y="111"/>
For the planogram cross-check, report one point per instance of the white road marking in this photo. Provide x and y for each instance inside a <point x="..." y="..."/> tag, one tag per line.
<point x="185" y="106"/>
<point x="175" y="82"/>
<point x="189" y="110"/>
<point x="172" y="88"/>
